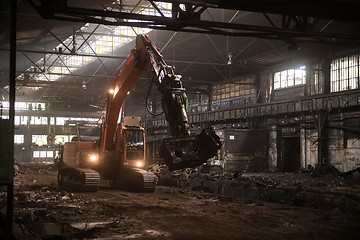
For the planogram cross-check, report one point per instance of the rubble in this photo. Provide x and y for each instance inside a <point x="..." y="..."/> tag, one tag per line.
<point x="323" y="187"/>
<point x="43" y="211"/>
<point x="352" y="174"/>
<point x="325" y="169"/>
<point x="188" y="178"/>
<point x="16" y="169"/>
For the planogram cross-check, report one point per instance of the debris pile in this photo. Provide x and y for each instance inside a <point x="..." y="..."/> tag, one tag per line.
<point x="352" y="174"/>
<point x="315" y="190"/>
<point x="193" y="179"/>
<point x="325" y="169"/>
<point x="187" y="179"/>
<point x="44" y="212"/>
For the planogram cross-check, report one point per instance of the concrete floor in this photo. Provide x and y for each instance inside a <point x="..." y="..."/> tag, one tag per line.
<point x="248" y="206"/>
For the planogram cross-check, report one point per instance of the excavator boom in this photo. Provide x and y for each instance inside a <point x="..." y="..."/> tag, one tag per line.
<point x="122" y="83"/>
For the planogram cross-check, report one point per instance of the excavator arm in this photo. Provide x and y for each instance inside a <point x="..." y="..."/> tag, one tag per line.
<point x="182" y="149"/>
<point x="174" y="99"/>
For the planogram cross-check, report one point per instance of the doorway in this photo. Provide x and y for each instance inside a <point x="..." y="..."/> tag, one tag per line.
<point x="290" y="153"/>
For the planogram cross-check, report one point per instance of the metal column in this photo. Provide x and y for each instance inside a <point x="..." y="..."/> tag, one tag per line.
<point x="12" y="84"/>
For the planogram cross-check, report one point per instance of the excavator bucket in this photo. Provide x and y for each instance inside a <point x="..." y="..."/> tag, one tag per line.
<point x="190" y="151"/>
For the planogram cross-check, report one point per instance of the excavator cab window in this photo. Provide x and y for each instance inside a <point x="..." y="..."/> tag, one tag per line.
<point x="134" y="142"/>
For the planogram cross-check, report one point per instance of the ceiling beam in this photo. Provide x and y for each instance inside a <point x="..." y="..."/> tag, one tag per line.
<point x="323" y="9"/>
<point x="191" y="21"/>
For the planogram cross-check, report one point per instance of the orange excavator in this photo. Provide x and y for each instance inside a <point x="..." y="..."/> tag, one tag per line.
<point x="119" y="155"/>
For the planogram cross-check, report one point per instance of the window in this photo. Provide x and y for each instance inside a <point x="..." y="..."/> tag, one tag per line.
<point x="52" y="120"/>
<point x="61" y="139"/>
<point x="18" y="139"/>
<point x="20" y="106"/>
<point x="235" y="89"/>
<point x="21" y="120"/>
<point x="344" y="73"/>
<point x="316" y="79"/>
<point x="39" y="139"/>
<point x="134" y="140"/>
<point x="290" y="77"/>
<point x="61" y="120"/>
<point x="38" y="120"/>
<point x="36" y="154"/>
<point x="43" y="154"/>
<point x="110" y="38"/>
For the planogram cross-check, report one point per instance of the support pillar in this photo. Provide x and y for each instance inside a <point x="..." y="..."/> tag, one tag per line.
<point x="210" y="98"/>
<point x="303" y="160"/>
<point x="10" y="139"/>
<point x="320" y="124"/>
<point x="273" y="149"/>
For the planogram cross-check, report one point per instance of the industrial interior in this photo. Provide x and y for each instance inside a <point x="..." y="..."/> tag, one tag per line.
<point x="179" y="119"/>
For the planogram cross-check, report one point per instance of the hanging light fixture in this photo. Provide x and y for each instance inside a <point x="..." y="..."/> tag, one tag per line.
<point x="229" y="62"/>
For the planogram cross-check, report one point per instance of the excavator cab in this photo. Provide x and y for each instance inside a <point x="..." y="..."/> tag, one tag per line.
<point x="127" y="167"/>
<point x="134" y="147"/>
<point x="129" y="144"/>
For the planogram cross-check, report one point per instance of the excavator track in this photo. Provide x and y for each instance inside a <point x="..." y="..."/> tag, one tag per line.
<point x="189" y="151"/>
<point x="135" y="179"/>
<point x="79" y="179"/>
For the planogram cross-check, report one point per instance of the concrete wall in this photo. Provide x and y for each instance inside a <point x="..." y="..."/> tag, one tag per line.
<point x="352" y="154"/>
<point x="288" y="93"/>
<point x="344" y="154"/>
<point x="311" y="148"/>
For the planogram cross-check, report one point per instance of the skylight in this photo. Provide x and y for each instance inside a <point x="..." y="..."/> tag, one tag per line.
<point x="104" y="40"/>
